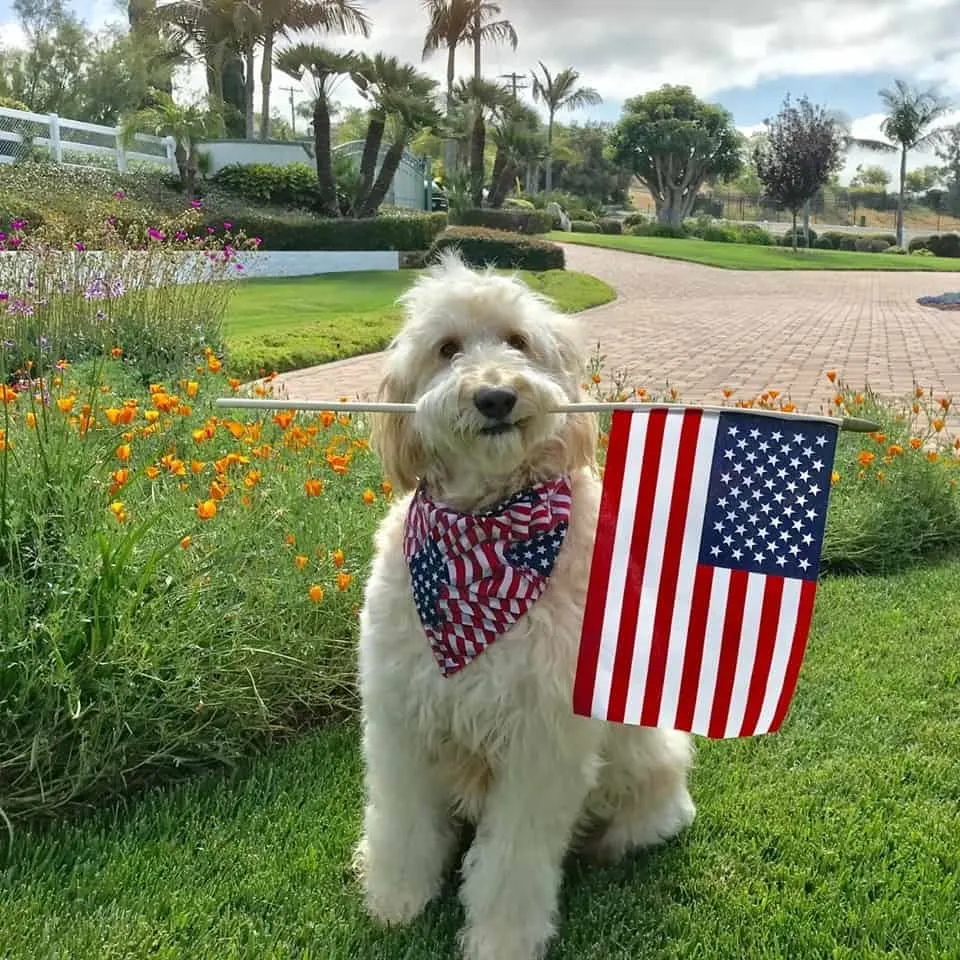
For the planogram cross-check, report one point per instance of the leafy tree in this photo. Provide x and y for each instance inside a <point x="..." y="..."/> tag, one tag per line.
<point x="583" y="167"/>
<point x="803" y="147"/>
<point x="280" y="18"/>
<point x="949" y="152"/>
<point x="517" y="134"/>
<point x="326" y="68"/>
<point x="557" y="93"/>
<point x="873" y="176"/>
<point x="908" y="125"/>
<point x="482" y="100"/>
<point x="922" y="180"/>
<point x="675" y="143"/>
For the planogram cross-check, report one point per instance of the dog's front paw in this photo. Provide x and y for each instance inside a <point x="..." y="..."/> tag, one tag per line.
<point x="504" y="942"/>
<point x="393" y="893"/>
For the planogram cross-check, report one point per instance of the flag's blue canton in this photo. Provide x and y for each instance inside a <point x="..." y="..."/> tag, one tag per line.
<point x="767" y="500"/>
<point x="539" y="553"/>
<point x="428" y="573"/>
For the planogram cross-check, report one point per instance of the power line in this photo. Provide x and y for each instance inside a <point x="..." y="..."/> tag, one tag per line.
<point x="293" y="109"/>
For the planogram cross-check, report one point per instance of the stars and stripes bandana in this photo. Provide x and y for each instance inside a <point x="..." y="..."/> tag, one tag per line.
<point x="475" y="574"/>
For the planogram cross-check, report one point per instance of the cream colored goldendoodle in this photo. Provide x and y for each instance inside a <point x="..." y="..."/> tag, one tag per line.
<point x="467" y="653"/>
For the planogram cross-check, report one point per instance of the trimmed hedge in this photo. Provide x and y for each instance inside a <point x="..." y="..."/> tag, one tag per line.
<point x="611" y="225"/>
<point x="754" y="234"/>
<point x="515" y="220"/>
<point x="584" y="226"/>
<point x="787" y="240"/>
<point x="305" y="232"/>
<point x="480" y="247"/>
<point x="294" y="185"/>
<point x="947" y="245"/>
<point x="657" y="229"/>
<point x="871" y="245"/>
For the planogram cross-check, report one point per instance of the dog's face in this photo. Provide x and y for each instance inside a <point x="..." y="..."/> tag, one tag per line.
<point x="485" y="360"/>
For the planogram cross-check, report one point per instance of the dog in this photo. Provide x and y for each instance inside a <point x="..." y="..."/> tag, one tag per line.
<point x="483" y="733"/>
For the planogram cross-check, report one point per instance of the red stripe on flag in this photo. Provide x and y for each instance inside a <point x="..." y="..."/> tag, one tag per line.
<point x="672" y="548"/>
<point x="599" y="577"/>
<point x="639" y="542"/>
<point x="729" y="650"/>
<point x="766" y="643"/>
<point x="801" y="632"/>
<point x="693" y="656"/>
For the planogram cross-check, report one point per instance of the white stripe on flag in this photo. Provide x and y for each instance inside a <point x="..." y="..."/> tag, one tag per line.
<point x="689" y="558"/>
<point x="747" y="653"/>
<point x="711" y="652"/>
<point x="666" y="474"/>
<point x="789" y="604"/>
<point x="620" y="564"/>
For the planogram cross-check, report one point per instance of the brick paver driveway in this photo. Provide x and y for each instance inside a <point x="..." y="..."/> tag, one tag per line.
<point x="701" y="329"/>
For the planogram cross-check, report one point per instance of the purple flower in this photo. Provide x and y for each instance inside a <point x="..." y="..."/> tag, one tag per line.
<point x="15" y="242"/>
<point x="4" y="295"/>
<point x="117" y="287"/>
<point x="18" y="225"/>
<point x="227" y="225"/>
<point x="3" y="236"/>
<point x="20" y="308"/>
<point x="111" y="221"/>
<point x="119" y="195"/>
<point x="181" y="235"/>
<point x="96" y="291"/>
<point x="154" y="234"/>
<point x="238" y="266"/>
<point x="257" y="241"/>
<point x="80" y="246"/>
<point x="196" y="204"/>
<point x="211" y="230"/>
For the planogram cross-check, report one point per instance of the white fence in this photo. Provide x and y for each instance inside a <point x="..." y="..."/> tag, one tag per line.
<point x="78" y="142"/>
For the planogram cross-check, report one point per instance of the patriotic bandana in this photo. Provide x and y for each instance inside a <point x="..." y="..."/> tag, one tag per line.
<point x="475" y="574"/>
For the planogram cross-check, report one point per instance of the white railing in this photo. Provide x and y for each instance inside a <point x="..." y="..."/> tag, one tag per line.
<point x="62" y="137"/>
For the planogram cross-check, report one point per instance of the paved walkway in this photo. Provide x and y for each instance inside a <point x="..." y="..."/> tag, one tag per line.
<point x="701" y="329"/>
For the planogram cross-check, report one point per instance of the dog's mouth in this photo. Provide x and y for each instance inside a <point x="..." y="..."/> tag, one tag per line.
<point x="495" y="429"/>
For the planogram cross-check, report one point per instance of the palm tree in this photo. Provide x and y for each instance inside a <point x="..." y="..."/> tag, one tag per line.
<point x="560" y="93"/>
<point x="410" y="108"/>
<point x="483" y="99"/>
<point x="454" y="23"/>
<point x="326" y="68"/>
<point x="280" y="18"/>
<point x="516" y="130"/>
<point x="188" y="125"/>
<point x="911" y="113"/>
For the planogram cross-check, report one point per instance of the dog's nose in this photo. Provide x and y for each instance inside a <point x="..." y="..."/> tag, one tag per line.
<point x="495" y="402"/>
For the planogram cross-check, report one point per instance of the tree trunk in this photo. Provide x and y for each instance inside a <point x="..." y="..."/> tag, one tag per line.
<point x="248" y="92"/>
<point x="368" y="159"/>
<point x="806" y="224"/>
<point x="391" y="161"/>
<point x="676" y="205"/>
<point x="266" y="77"/>
<point x="499" y="163"/>
<point x="794" y="228"/>
<point x="450" y="144"/>
<point x="324" y="159"/>
<point x="478" y="141"/>
<point x="501" y="184"/>
<point x="549" y="182"/>
<point x="903" y="185"/>
<point x="232" y="87"/>
<point x="476" y="43"/>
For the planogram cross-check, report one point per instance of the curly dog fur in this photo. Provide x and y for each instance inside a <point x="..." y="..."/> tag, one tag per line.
<point x="496" y="745"/>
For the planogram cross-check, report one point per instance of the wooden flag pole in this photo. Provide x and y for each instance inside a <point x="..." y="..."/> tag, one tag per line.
<point x="851" y="424"/>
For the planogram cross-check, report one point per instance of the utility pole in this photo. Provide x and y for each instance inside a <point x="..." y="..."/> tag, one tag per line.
<point x="517" y="82"/>
<point x="293" y="109"/>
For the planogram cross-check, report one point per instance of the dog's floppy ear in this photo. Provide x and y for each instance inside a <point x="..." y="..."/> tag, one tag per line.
<point x="392" y="436"/>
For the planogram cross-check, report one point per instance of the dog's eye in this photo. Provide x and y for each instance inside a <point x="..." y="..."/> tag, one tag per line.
<point x="450" y="348"/>
<point x="517" y="342"/>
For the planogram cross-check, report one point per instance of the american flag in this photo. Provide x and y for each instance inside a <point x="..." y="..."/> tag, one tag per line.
<point x="704" y="570"/>
<point x="475" y="574"/>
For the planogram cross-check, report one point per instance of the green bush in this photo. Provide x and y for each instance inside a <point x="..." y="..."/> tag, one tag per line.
<point x="870" y="245"/>
<point x="657" y="229"/>
<point x="947" y="245"/>
<point x="918" y="243"/>
<point x="787" y="240"/>
<point x="515" y="221"/>
<point x="611" y="225"/>
<point x="635" y="220"/>
<point x="294" y="185"/>
<point x="847" y="242"/>
<point x="585" y="226"/>
<point x="518" y="203"/>
<point x="305" y="232"/>
<point x="834" y="237"/>
<point x="890" y="238"/>
<point x="824" y="243"/>
<point x="897" y="250"/>
<point x="719" y="233"/>
<point x="753" y="234"/>
<point x="480" y="247"/>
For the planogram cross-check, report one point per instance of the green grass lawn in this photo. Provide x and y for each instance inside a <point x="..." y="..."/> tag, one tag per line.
<point x="286" y="324"/>
<point x="742" y="256"/>
<point x="836" y="838"/>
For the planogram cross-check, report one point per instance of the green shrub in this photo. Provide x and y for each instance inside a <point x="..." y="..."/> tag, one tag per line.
<point x="787" y="239"/>
<point x="834" y="237"/>
<point x="847" y="242"/>
<point x="585" y="226"/>
<point x="890" y="238"/>
<point x="824" y="243"/>
<point x="516" y="221"/>
<point x="918" y="243"/>
<point x="753" y="234"/>
<point x="657" y="229"/>
<point x="635" y="220"/>
<point x="719" y="233"/>
<point x="480" y="247"/>
<point x="518" y="203"/>
<point x="293" y="231"/>
<point x="870" y="245"/>
<point x="947" y="245"/>
<point x="611" y="225"/>
<point x="294" y="185"/>
<point x="897" y="250"/>
<point x="922" y="252"/>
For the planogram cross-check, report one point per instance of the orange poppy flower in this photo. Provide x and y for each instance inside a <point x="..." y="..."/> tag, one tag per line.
<point x="207" y="509"/>
<point x="186" y="541"/>
<point x="213" y="364"/>
<point x="31" y="419"/>
<point x="369" y="497"/>
<point x="283" y="418"/>
<point x="124" y="451"/>
<point x="313" y="487"/>
<point x="116" y="353"/>
<point x="865" y="458"/>
<point x="916" y="443"/>
<point x="344" y="580"/>
<point x="301" y="561"/>
<point x="217" y="490"/>
<point x="338" y="558"/>
<point x="316" y="593"/>
<point x="832" y="376"/>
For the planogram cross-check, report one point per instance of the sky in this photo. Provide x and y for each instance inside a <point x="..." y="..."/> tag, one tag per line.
<point x="744" y="54"/>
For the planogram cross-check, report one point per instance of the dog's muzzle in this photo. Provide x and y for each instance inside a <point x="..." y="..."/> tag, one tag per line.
<point x="496" y="404"/>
